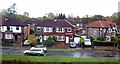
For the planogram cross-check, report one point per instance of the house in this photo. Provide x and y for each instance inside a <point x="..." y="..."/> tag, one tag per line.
<point x="80" y="26"/>
<point x="101" y="28"/>
<point x="0" y="29"/>
<point x="62" y="29"/>
<point x="13" y="30"/>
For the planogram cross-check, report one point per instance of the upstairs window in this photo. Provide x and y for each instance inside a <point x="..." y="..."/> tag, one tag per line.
<point x="17" y="28"/>
<point x="48" y="29"/>
<point x="38" y="29"/>
<point x="8" y="27"/>
<point x="60" y="30"/>
<point x="69" y="29"/>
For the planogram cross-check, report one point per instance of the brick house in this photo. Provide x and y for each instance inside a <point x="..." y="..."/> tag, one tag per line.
<point x="80" y="26"/>
<point x="13" y="30"/>
<point x="62" y="29"/>
<point x="101" y="28"/>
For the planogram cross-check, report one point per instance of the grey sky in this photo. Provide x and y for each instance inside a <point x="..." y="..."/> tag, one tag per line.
<point x="38" y="8"/>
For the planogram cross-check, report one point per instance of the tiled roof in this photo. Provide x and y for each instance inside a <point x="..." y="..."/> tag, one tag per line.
<point x="12" y="22"/>
<point x="100" y="23"/>
<point x="55" y="23"/>
<point x="32" y="21"/>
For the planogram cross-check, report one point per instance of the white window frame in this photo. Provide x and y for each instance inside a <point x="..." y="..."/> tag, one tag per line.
<point x="38" y="28"/>
<point x="60" y="38"/>
<point x="8" y="36"/>
<point x="48" y="29"/>
<point x="60" y="30"/>
<point x="69" y="29"/>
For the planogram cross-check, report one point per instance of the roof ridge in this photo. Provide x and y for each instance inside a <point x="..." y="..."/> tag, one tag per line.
<point x="69" y="23"/>
<point x="101" y="24"/>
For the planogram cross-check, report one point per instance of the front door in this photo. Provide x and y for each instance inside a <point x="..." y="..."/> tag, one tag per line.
<point x="16" y="37"/>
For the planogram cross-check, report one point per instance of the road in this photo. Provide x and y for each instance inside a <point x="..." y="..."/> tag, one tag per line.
<point x="81" y="53"/>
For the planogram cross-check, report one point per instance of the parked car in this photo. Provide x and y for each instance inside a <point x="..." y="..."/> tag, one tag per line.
<point x="87" y="42"/>
<point x="37" y="47"/>
<point x="72" y="44"/>
<point x="26" y="42"/>
<point x="38" y="52"/>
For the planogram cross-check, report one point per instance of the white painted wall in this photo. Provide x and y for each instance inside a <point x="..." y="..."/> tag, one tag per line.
<point x="12" y="28"/>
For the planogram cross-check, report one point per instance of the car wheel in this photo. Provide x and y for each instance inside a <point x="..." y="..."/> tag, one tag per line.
<point x="38" y="54"/>
<point x="25" y="54"/>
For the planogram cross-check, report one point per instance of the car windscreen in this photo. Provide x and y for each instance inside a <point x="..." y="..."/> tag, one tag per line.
<point x="39" y="46"/>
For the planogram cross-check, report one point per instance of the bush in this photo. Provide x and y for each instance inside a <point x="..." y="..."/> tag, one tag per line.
<point x="113" y="39"/>
<point x="101" y="38"/>
<point x="49" y="41"/>
<point x="54" y="38"/>
<point x="8" y="43"/>
<point x="38" y="40"/>
<point x="31" y="31"/>
<point x="104" y="43"/>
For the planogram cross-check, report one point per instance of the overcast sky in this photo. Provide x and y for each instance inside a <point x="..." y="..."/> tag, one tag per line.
<point x="38" y="8"/>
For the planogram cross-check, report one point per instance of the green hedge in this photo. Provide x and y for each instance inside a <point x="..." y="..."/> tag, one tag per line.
<point x="7" y="43"/>
<point x="104" y="43"/>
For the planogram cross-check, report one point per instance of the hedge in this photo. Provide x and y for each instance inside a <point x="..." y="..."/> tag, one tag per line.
<point x="104" y="43"/>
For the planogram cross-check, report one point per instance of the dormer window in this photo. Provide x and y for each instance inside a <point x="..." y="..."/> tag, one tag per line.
<point x="17" y="28"/>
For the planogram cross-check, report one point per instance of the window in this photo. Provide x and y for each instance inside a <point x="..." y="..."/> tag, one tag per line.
<point x="38" y="29"/>
<point x="60" y="38"/>
<point x="0" y="36"/>
<point x="17" y="28"/>
<point x="8" y="28"/>
<point x="48" y="29"/>
<point x="69" y="29"/>
<point x="8" y="36"/>
<point x="60" y="30"/>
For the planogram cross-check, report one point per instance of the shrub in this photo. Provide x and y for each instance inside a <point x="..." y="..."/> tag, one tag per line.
<point x="38" y="40"/>
<point x="103" y="43"/>
<point x="113" y="39"/>
<point x="31" y="31"/>
<point x="8" y="43"/>
<point x="101" y="38"/>
<point x="54" y="38"/>
<point x="49" y="41"/>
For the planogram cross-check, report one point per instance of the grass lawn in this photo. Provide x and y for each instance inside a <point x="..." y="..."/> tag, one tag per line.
<point x="52" y="59"/>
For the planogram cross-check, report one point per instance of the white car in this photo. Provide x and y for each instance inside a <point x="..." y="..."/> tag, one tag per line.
<point x="26" y="42"/>
<point x="40" y="47"/>
<point x="87" y="42"/>
<point x="34" y="52"/>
